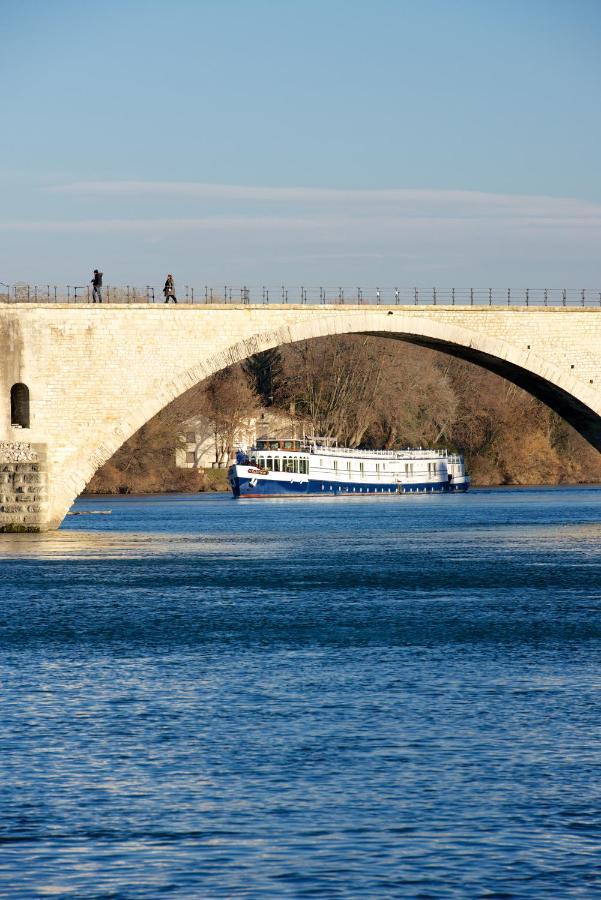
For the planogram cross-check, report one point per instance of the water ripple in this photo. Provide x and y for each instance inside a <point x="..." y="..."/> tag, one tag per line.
<point x="292" y="699"/>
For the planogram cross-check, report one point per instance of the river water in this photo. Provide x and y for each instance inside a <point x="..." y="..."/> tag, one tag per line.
<point x="346" y="697"/>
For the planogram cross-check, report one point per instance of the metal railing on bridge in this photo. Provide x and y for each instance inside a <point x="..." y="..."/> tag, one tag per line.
<point x="306" y="295"/>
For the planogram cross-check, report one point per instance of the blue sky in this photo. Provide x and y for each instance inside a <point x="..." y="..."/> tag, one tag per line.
<point x="324" y="142"/>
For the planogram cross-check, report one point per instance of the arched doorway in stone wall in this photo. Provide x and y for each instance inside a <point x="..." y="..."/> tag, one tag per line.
<point x="19" y="405"/>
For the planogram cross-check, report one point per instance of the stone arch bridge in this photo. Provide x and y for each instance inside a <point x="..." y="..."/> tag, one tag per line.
<point x="77" y="380"/>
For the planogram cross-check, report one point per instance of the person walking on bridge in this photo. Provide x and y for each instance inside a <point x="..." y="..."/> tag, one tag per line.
<point x="169" y="289"/>
<point x="97" y="286"/>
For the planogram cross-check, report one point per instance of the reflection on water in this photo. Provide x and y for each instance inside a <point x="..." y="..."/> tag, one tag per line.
<point x="57" y="545"/>
<point x="391" y="697"/>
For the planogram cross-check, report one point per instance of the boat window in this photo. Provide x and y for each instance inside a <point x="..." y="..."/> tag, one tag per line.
<point x="274" y="445"/>
<point x="321" y="460"/>
<point x="304" y="466"/>
<point x="253" y="461"/>
<point x="348" y="466"/>
<point x="276" y="464"/>
<point x="288" y="445"/>
<point x="335" y="465"/>
<point x="361" y="468"/>
<point x="269" y="463"/>
<point x="296" y="464"/>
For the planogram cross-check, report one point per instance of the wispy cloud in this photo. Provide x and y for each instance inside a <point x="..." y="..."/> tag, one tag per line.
<point x="367" y="227"/>
<point x="211" y="223"/>
<point x="404" y="202"/>
<point x="308" y="233"/>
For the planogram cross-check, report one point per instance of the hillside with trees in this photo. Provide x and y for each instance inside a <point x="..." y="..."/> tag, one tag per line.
<point x="365" y="392"/>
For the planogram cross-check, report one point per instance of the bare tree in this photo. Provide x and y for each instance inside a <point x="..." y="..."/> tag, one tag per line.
<point x="227" y="402"/>
<point x="368" y="391"/>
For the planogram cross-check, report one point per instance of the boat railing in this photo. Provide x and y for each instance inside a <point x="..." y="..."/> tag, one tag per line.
<point x="408" y="453"/>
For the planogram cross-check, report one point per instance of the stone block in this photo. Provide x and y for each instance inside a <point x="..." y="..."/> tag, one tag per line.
<point x="32" y="519"/>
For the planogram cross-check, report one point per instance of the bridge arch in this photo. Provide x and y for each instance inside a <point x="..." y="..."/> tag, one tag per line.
<point x="578" y="403"/>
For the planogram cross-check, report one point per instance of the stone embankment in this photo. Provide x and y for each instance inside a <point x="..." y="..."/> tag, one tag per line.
<point x="23" y="487"/>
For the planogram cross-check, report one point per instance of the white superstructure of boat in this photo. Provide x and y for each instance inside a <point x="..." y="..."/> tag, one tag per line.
<point x="298" y="467"/>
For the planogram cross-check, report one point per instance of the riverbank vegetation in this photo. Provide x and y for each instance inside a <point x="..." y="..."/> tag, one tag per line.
<point x="364" y="392"/>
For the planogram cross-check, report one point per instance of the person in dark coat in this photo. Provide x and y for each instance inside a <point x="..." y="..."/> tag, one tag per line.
<point x="97" y="286"/>
<point x="169" y="289"/>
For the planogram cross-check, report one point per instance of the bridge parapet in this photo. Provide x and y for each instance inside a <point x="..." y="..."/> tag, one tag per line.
<point x="312" y="296"/>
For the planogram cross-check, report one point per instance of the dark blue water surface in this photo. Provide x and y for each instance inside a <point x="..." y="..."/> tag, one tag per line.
<point x="393" y="697"/>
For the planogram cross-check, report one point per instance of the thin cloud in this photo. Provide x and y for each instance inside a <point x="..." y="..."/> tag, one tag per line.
<point x="213" y="223"/>
<point x="368" y="228"/>
<point x="410" y="202"/>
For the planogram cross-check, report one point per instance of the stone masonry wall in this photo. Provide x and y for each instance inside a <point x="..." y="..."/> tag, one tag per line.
<point x="23" y="487"/>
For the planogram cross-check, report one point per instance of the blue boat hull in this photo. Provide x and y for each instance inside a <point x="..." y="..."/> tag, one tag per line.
<point x="272" y="487"/>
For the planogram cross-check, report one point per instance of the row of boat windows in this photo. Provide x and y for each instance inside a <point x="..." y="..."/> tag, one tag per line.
<point x="380" y="467"/>
<point x="279" y="445"/>
<point x="300" y="465"/>
<point x="293" y="464"/>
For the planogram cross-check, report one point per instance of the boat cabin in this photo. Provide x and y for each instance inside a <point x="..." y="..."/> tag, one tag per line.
<point x="286" y="444"/>
<point x="278" y="455"/>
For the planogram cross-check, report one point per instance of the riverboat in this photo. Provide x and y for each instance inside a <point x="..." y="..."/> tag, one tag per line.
<point x="283" y="468"/>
